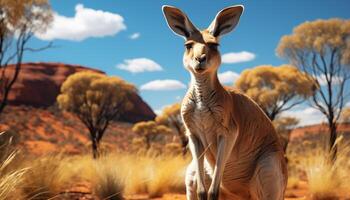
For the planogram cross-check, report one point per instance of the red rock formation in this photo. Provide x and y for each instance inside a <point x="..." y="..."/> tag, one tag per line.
<point x="312" y="130"/>
<point x="38" y="85"/>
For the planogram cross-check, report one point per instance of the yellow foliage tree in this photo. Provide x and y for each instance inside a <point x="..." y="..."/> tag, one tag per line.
<point x="345" y="115"/>
<point x="275" y="89"/>
<point x="19" y="20"/>
<point x="151" y="131"/>
<point x="171" y="117"/>
<point x="284" y="126"/>
<point x="321" y="48"/>
<point x="95" y="99"/>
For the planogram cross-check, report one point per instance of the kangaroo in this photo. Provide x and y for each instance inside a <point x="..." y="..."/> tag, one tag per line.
<point x="230" y="137"/>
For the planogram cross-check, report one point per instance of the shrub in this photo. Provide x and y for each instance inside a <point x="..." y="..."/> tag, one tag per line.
<point x="327" y="179"/>
<point x="10" y="181"/>
<point x="46" y="177"/>
<point x="133" y="173"/>
<point x="109" y="182"/>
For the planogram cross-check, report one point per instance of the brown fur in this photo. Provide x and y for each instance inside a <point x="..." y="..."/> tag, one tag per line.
<point x="228" y="132"/>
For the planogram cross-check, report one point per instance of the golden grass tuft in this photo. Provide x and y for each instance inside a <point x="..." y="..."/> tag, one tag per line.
<point x="140" y="173"/>
<point x="46" y="177"/>
<point x="10" y="181"/>
<point x="153" y="172"/>
<point x="108" y="182"/>
<point x="168" y="175"/>
<point x="117" y="174"/>
<point x="293" y="182"/>
<point x="327" y="180"/>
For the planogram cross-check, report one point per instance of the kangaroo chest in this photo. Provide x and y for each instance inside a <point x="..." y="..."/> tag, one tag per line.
<point x="204" y="117"/>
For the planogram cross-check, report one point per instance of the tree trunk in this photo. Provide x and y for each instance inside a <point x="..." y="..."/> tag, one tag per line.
<point x="95" y="149"/>
<point x="332" y="139"/>
<point x="272" y="116"/>
<point x="285" y="142"/>
<point x="148" y="142"/>
<point x="7" y="88"/>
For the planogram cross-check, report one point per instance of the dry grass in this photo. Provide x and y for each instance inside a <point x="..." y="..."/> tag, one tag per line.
<point x="326" y="180"/>
<point x="11" y="174"/>
<point x="111" y="176"/>
<point x="10" y="181"/>
<point x="293" y="182"/>
<point x="46" y="177"/>
<point x="155" y="173"/>
<point x="166" y="175"/>
<point x="108" y="182"/>
<point x="129" y="174"/>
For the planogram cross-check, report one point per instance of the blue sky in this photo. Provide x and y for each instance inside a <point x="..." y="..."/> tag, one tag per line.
<point x="114" y="22"/>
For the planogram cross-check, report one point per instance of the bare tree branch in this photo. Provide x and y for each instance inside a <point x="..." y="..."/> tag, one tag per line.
<point x="48" y="46"/>
<point x="16" y="29"/>
<point x="323" y="60"/>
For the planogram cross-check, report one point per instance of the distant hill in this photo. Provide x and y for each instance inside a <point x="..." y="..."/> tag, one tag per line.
<point x="48" y="130"/>
<point x="316" y="129"/>
<point x="39" y="84"/>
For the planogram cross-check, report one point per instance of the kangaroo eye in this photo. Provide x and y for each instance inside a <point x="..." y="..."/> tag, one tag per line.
<point x="188" y="46"/>
<point x="213" y="46"/>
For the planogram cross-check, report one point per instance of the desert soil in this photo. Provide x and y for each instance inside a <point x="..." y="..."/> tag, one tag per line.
<point x="82" y="192"/>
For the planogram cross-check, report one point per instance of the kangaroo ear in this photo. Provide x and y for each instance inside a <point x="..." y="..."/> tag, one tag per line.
<point x="226" y="20"/>
<point x="178" y="21"/>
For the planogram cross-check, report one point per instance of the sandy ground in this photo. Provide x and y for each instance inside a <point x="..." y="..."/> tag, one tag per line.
<point x="82" y="192"/>
<point x="170" y="196"/>
<point x="181" y="197"/>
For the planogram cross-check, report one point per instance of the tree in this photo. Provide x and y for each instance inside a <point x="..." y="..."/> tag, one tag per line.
<point x="95" y="99"/>
<point x="275" y="89"/>
<point x="345" y="115"/>
<point x="19" y="21"/>
<point x="321" y="48"/>
<point x="151" y="131"/>
<point x="171" y="117"/>
<point x="284" y="126"/>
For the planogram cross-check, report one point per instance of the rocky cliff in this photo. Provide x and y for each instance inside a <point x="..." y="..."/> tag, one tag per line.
<point x="39" y="84"/>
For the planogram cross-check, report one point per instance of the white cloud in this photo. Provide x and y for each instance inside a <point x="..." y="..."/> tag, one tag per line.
<point x="138" y="65"/>
<point x="167" y="84"/>
<point x="323" y="81"/>
<point x="134" y="36"/>
<point x="158" y="111"/>
<point x="243" y="56"/>
<point x="307" y="116"/>
<point x="86" y="23"/>
<point x="228" y="77"/>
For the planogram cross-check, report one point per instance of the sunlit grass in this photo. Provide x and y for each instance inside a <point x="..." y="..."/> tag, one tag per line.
<point x="10" y="181"/>
<point x="134" y="174"/>
<point x="120" y="174"/>
<point x="114" y="175"/>
<point x="326" y="179"/>
<point x="293" y="182"/>
<point x="168" y="175"/>
<point x="46" y="178"/>
<point x="109" y="180"/>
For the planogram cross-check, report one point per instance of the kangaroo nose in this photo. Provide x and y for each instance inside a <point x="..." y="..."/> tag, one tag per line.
<point x="201" y="58"/>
